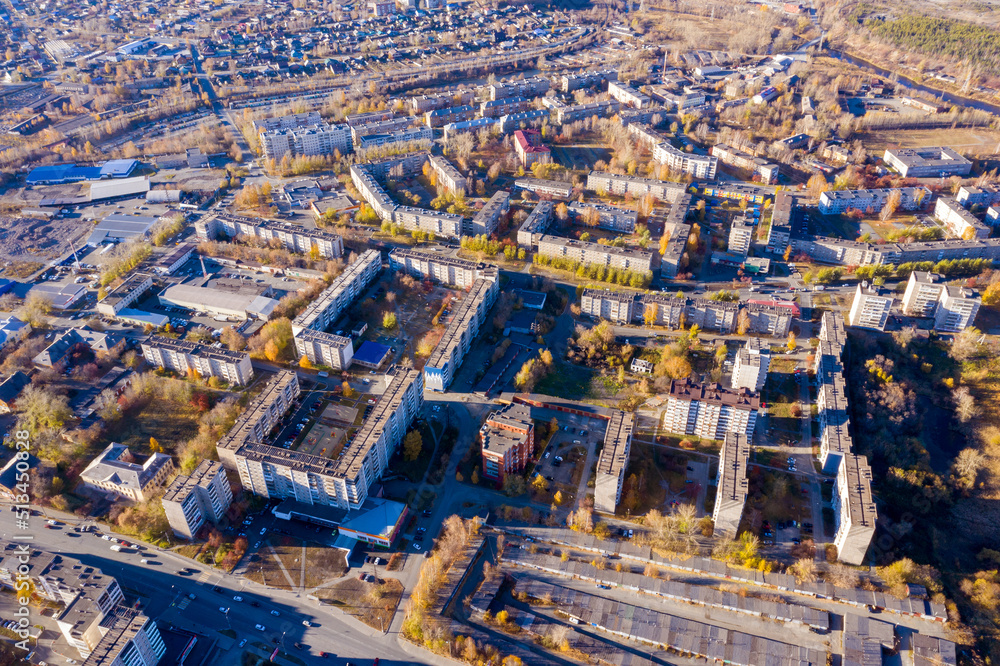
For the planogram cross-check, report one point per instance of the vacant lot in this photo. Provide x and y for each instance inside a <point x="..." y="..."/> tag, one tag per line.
<point x="371" y="603"/>
<point x="973" y="140"/>
<point x="307" y="565"/>
<point x="170" y="423"/>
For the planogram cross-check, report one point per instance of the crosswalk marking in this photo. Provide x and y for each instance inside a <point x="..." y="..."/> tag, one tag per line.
<point x="183" y="603"/>
<point x="203" y="578"/>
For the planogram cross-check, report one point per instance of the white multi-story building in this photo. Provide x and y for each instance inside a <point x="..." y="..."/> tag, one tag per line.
<point x="192" y="358"/>
<point x="923" y="290"/>
<point x="467" y="319"/>
<point x="332" y="301"/>
<point x="758" y="166"/>
<point x="116" y="472"/>
<point x="314" y="140"/>
<point x="870" y="309"/>
<point x="132" y="288"/>
<point x="448" y="176"/>
<point x="407" y="135"/>
<point x="615" y="306"/>
<point x="607" y="217"/>
<point x="128" y="638"/>
<point x="293" y="237"/>
<point x="628" y="95"/>
<point x="700" y="166"/>
<point x="613" y="462"/>
<point x="532" y="87"/>
<point x="732" y="485"/>
<point x="638" y="187"/>
<point x="488" y="218"/>
<point x="709" y="410"/>
<point x="571" y="82"/>
<point x="583" y="252"/>
<point x="958" y="221"/>
<point x="740" y="236"/>
<point x="854" y="510"/>
<point x="751" y="365"/>
<point x="957" y="309"/>
<point x="536" y="224"/>
<point x="190" y="501"/>
<point x="321" y="348"/>
<point x="871" y="201"/>
<point x="440" y="268"/>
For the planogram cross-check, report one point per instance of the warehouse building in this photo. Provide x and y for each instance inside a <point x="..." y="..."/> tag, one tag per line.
<point x="215" y="302"/>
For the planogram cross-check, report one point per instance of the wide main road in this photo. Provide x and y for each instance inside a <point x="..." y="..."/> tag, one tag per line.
<point x="165" y="595"/>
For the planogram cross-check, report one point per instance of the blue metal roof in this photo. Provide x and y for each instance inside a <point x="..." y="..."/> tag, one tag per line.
<point x="371" y="353"/>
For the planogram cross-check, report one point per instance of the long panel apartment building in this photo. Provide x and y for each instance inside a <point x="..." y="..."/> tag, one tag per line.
<point x="448" y="176"/>
<point x="343" y="482"/>
<point x="700" y="166"/>
<point x="191" y="501"/>
<point x="958" y="221"/>
<point x="189" y="358"/>
<point x="325" y="349"/>
<point x="312" y="140"/>
<point x="953" y="307"/>
<point x="622" y="184"/>
<point x="488" y="219"/>
<point x="732" y="484"/>
<point x="571" y="82"/>
<point x="613" y="462"/>
<point x="611" y="218"/>
<point x="583" y="252"/>
<point x="758" y="166"/>
<point x="709" y="410"/>
<point x="468" y="318"/>
<point x="448" y="270"/>
<point x="293" y="238"/>
<point x="871" y="201"/>
<point x="346" y="287"/>
<point x="535" y="225"/>
<point x="533" y="87"/>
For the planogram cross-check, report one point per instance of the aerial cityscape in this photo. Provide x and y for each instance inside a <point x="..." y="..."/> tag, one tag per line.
<point x="388" y="332"/>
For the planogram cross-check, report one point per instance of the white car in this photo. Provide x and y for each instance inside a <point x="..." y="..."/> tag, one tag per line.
<point x="416" y="546"/>
<point x="237" y="598"/>
<point x="275" y="613"/>
<point x="306" y="623"/>
<point x="263" y="531"/>
<point x="223" y="610"/>
<point x="260" y="627"/>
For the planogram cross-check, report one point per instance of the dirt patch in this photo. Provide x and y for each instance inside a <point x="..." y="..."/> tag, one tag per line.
<point x="371" y="603"/>
<point x="29" y="240"/>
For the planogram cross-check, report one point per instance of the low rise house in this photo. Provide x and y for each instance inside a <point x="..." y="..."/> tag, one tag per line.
<point x="117" y="472"/>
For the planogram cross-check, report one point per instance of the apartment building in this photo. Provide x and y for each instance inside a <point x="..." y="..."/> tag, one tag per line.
<point x="451" y="130"/>
<point x="529" y="148"/>
<point x="495" y="108"/>
<point x="854" y="510"/>
<point x="293" y="237"/>
<point x="664" y="152"/>
<point x="508" y="441"/>
<point x="677" y="231"/>
<point x="535" y="225"/>
<point x="134" y="287"/>
<point x="603" y="216"/>
<point x="260" y="417"/>
<point x="379" y="126"/>
<point x="176" y="258"/>
<point x="343" y="482"/>
<point x="751" y="366"/>
<point x="61" y="580"/>
<point x="618" y="307"/>
<point x="613" y="462"/>
<point x="957" y="309"/>
<point x="959" y="222"/>
<point x="986" y="196"/>
<point x="766" y="171"/>
<point x="455" y="114"/>
<point x="591" y="253"/>
<point x="288" y="122"/>
<point x="780" y="231"/>
<point x="638" y="187"/>
<point x="662" y="309"/>
<point x="871" y="201"/>
<point x="128" y="638"/>
<point x="741" y="234"/>
<point x="468" y="317"/>
<point x="709" y="410"/>
<point x="118" y="473"/>
<point x="533" y="87"/>
<point x="511" y="121"/>
<point x="327" y="349"/>
<point x="552" y="188"/>
<point x="732" y="484"/>
<point x="923" y="291"/>
<point x="568" y="114"/>
<point x="439" y="223"/>
<point x="447" y="175"/>
<point x="927" y="162"/>
<point x="313" y="140"/>
<point x="769" y="318"/>
<point x="712" y="315"/>
<point x="870" y="308"/>
<point x="628" y="95"/>
<point x="738" y="191"/>
<point x="372" y="192"/>
<point x="204" y="496"/>
<point x="423" y="103"/>
<point x="332" y="301"/>
<point x="392" y="138"/>
<point x="191" y="358"/>
<point x="486" y="221"/>
<point x="451" y="271"/>
<point x="571" y="82"/>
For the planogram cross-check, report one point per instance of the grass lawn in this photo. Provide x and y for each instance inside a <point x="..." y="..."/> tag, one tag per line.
<point x="169" y="422"/>
<point x="566" y="380"/>
<point x="371" y="603"/>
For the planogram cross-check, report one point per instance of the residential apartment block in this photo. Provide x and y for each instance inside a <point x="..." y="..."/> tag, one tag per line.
<point x="553" y="188"/>
<point x="780" y="231"/>
<point x="603" y="216"/>
<point x="870" y="308"/>
<point x="191" y="501"/>
<point x="447" y="175"/>
<point x="958" y="221"/>
<point x="402" y="136"/>
<point x="495" y="108"/>
<point x="638" y="187"/>
<point x="455" y="114"/>
<point x="532" y="87"/>
<point x="613" y="462"/>
<point x="486" y="221"/>
<point x="628" y="95"/>
<point x="751" y="365"/>
<point x="313" y="140"/>
<point x="467" y="319"/>
<point x="568" y="114"/>
<point x="116" y="472"/>
<point x="741" y="234"/>
<point x="343" y="482"/>
<point x="332" y="301"/>
<point x="529" y="148"/>
<point x="957" y="309"/>
<point x="732" y="485"/>
<point x="709" y="410"/>
<point x="508" y="441"/>
<point x="189" y="358"/>
<point x="128" y="638"/>
<point x="293" y="237"/>
<point x="677" y="230"/>
<point x="927" y="162"/>
<point x="592" y="253"/>
<point x="571" y="82"/>
<point x="766" y="171"/>
<point x="871" y="201"/>
<point x="700" y="166"/>
<point x="986" y="196"/>
<point x="535" y="225"/>
<point x="327" y="349"/>
<point x="452" y="271"/>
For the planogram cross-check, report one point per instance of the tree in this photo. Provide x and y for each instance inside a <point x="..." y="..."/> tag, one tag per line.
<point x="513" y="485"/>
<point x="804" y="570"/>
<point x="968" y="463"/>
<point x="41" y="409"/>
<point x="891" y="204"/>
<point x="305" y="363"/>
<point x="540" y="484"/>
<point x="413" y="444"/>
<point x="965" y="404"/>
<point x="346" y="390"/>
<point x="673" y="367"/>
<point x="742" y="322"/>
<point x="474" y="478"/>
<point x="558" y="499"/>
<point x="154" y="445"/>
<point x="389" y="321"/>
<point x="965" y="344"/>
<point x="817" y="185"/>
<point x="791" y="344"/>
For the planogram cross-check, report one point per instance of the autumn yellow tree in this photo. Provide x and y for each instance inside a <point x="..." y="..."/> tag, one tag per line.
<point x="305" y="363"/>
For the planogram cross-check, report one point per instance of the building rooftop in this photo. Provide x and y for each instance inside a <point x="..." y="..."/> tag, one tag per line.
<point x="114" y="465"/>
<point x="733" y="460"/>
<point x="927" y="157"/>
<point x="120" y="626"/>
<point x="595" y="247"/>
<point x="133" y="281"/>
<point x="465" y="312"/>
<point x="182" y="485"/>
<point x="195" y="349"/>
<point x="617" y="438"/>
<point x="716" y="394"/>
